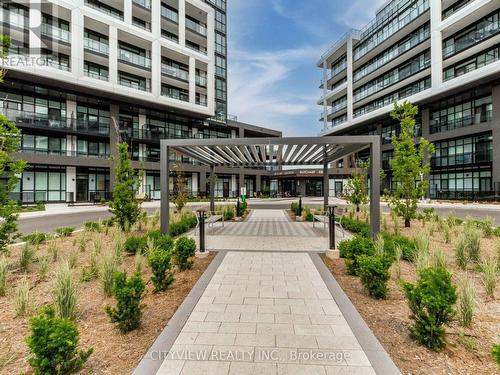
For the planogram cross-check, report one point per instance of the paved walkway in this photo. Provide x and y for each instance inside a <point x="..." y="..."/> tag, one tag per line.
<point x="266" y="313"/>
<point x="268" y="229"/>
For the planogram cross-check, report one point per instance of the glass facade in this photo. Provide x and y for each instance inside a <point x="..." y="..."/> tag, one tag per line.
<point x="406" y="70"/>
<point x="406" y="44"/>
<point x="470" y="150"/>
<point x="472" y="63"/>
<point x="41" y="184"/>
<point x="472" y="35"/>
<point x="389" y="99"/>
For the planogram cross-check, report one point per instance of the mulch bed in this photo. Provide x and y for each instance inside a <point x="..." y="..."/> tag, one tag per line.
<point x="114" y="353"/>
<point x="468" y="349"/>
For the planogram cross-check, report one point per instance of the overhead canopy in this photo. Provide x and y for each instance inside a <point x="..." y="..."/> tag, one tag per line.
<point x="271" y="152"/>
<point x="259" y="152"/>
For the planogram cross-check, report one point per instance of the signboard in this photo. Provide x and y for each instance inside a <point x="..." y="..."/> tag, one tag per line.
<point x="243" y="194"/>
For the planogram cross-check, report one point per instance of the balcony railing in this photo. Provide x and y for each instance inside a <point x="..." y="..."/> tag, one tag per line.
<point x="197" y="48"/>
<point x="41" y="151"/>
<point x="465" y="158"/>
<point x="99" y="76"/>
<point x="437" y="125"/>
<point x="14" y="19"/>
<point x="170" y="14"/>
<point x="196" y="27"/>
<point x="35" y="120"/>
<point x="201" y="81"/>
<point x="96" y="46"/>
<point x="113" y="12"/>
<point x="56" y="33"/>
<point x="174" y="94"/>
<point x="143" y="3"/>
<point x="134" y="59"/>
<point x="142" y="86"/>
<point x="174" y="72"/>
<point x="202" y="101"/>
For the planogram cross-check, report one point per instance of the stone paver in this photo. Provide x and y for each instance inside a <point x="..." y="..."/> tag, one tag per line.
<point x="266" y="230"/>
<point x="266" y="313"/>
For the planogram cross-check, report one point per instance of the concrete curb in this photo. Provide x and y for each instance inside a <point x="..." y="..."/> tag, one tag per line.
<point x="153" y="359"/>
<point x="380" y="360"/>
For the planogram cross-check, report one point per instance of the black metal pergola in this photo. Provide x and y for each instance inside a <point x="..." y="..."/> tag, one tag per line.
<point x="271" y="153"/>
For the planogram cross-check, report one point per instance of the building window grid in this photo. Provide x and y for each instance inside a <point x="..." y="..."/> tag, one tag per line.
<point x="474" y="34"/>
<point x="407" y="15"/>
<point x="413" y="40"/>
<point x="455" y="8"/>
<point x="406" y="70"/>
<point x="472" y="63"/>
<point x="462" y="114"/>
<point x="405" y="92"/>
<point x="470" y="150"/>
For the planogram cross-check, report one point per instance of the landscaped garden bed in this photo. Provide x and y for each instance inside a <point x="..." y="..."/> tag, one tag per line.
<point x="468" y="346"/>
<point x="114" y="352"/>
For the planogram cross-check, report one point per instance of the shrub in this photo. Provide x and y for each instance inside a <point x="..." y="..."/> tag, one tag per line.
<point x="431" y="302"/>
<point x="406" y="245"/>
<point x="228" y="212"/>
<point x="91" y="271"/>
<point x="159" y="261"/>
<point x="356" y="226"/>
<point x="128" y="294"/>
<point x="422" y="242"/>
<point x="374" y="274"/>
<point x="351" y="249"/>
<point x="489" y="275"/>
<point x="438" y="258"/>
<point x="495" y="353"/>
<point x="465" y="301"/>
<point x="379" y="245"/>
<point x="139" y="262"/>
<point x="22" y="303"/>
<point x="162" y="241"/>
<point x="469" y="246"/>
<point x="53" y="344"/>
<point x="65" y="231"/>
<point x="461" y="254"/>
<point x="185" y="249"/>
<point x="107" y="272"/>
<point x="398" y="256"/>
<point x="92" y="226"/>
<point x="135" y="244"/>
<point x="4" y="270"/>
<point x="65" y="293"/>
<point x="27" y="256"/>
<point x="53" y="251"/>
<point x="35" y="238"/>
<point x="108" y="223"/>
<point x="72" y="258"/>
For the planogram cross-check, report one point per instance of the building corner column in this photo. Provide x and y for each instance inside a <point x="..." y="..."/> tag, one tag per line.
<point x="496" y="141"/>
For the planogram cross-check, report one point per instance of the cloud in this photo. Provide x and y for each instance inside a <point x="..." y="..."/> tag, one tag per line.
<point x="261" y="88"/>
<point x="357" y="13"/>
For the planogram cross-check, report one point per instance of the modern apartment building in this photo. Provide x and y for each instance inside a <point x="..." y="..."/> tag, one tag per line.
<point x="443" y="55"/>
<point x="85" y="74"/>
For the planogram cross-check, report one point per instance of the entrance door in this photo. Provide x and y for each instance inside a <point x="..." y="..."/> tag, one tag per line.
<point x="225" y="189"/>
<point x="338" y="188"/>
<point x="82" y="188"/>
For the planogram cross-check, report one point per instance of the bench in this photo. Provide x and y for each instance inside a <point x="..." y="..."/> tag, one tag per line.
<point x="325" y="220"/>
<point x="210" y="220"/>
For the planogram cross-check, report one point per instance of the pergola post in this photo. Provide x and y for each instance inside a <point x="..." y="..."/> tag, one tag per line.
<point x="326" y="185"/>
<point x="375" y="187"/>
<point x="212" y="188"/>
<point x="165" y="189"/>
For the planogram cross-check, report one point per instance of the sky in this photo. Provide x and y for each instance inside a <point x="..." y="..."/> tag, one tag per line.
<point x="273" y="48"/>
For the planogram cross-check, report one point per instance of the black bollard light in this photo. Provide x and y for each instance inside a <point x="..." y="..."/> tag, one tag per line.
<point x="201" y="220"/>
<point x="238" y="208"/>
<point x="331" y="227"/>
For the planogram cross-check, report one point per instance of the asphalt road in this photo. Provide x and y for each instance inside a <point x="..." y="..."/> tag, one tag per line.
<point x="76" y="219"/>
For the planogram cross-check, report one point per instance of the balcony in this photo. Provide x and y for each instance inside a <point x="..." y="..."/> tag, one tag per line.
<point x="95" y="75"/>
<point x="134" y="59"/>
<point x="201" y="100"/>
<point x="196" y="27"/>
<point x="56" y="33"/>
<point x="170" y="14"/>
<point x="143" y="3"/>
<point x="110" y="11"/>
<point x="196" y="47"/>
<point x="142" y="86"/>
<point x="96" y="46"/>
<point x="174" y="72"/>
<point x="14" y="19"/>
<point x="460" y="159"/>
<point x="175" y="94"/>
<point x="44" y="151"/>
<point x="201" y="81"/>
<point x="437" y="125"/>
<point x="37" y="121"/>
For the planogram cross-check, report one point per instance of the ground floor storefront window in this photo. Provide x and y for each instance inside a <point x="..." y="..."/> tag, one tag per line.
<point x="41" y="184"/>
<point x="462" y="184"/>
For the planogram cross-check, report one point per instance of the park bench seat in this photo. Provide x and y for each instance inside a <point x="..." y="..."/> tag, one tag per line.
<point x="212" y="219"/>
<point x="321" y="218"/>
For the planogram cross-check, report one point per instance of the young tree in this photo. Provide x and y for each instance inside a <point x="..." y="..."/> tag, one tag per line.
<point x="410" y="164"/>
<point x="124" y="205"/>
<point x="10" y="169"/>
<point x="4" y="53"/>
<point x="356" y="191"/>
<point x="180" y="188"/>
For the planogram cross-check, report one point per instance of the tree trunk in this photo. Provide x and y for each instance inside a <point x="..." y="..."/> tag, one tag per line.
<point x="357" y="208"/>
<point x="407" y="223"/>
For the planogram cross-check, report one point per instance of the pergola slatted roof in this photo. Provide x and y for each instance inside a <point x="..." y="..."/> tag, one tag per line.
<point x="271" y="152"/>
<point x="262" y="152"/>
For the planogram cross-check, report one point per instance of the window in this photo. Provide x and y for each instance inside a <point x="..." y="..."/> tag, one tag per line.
<point x="220" y="89"/>
<point x="460" y="111"/>
<point x="93" y="119"/>
<point x="220" y="66"/>
<point x="133" y="81"/>
<point x="220" y="43"/>
<point x="96" y="71"/>
<point x="472" y="63"/>
<point x="175" y="93"/>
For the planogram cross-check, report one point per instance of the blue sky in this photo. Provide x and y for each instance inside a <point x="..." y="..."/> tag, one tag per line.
<point x="273" y="49"/>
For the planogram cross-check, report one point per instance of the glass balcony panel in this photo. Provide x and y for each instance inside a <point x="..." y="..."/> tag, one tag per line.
<point x="134" y="59"/>
<point x="56" y="33"/>
<point x="96" y="46"/>
<point x="175" y="72"/>
<point x="196" y="27"/>
<point x="170" y="14"/>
